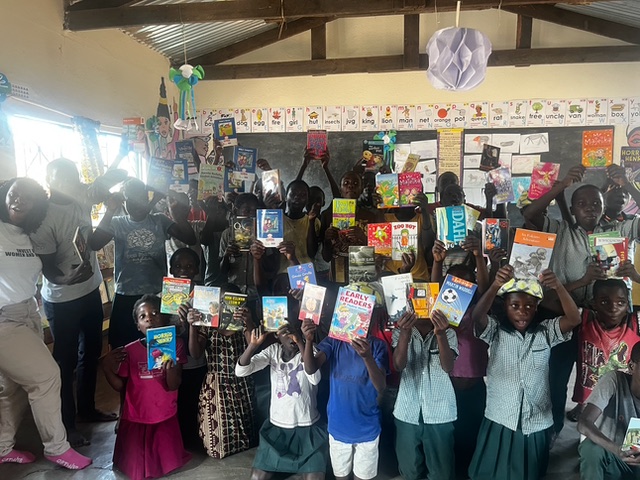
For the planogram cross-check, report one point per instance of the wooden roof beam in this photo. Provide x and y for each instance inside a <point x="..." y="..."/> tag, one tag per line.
<point x="93" y="4"/>
<point x="268" y="10"/>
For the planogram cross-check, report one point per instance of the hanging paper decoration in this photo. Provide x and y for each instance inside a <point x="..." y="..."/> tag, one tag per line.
<point x="389" y="139"/>
<point x="458" y="58"/>
<point x="186" y="77"/>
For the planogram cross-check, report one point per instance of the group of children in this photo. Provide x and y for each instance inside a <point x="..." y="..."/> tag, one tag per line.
<point x="429" y="376"/>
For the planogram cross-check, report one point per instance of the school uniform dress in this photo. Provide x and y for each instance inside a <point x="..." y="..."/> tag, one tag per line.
<point x="225" y="408"/>
<point x="425" y="410"/>
<point x="291" y="439"/>
<point x="149" y="443"/>
<point x="513" y="442"/>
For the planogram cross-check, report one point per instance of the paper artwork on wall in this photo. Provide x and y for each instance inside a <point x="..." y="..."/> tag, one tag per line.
<point x="471" y="161"/>
<point x="523" y="164"/>
<point x="507" y="142"/>
<point x="473" y="143"/>
<point x="534" y="143"/>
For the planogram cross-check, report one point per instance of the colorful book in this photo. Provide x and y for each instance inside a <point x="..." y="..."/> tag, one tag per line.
<point x="352" y="315"/>
<point x="421" y="297"/>
<point x="379" y="236"/>
<point x="597" y="148"/>
<point x="409" y="185"/>
<point x="395" y="294"/>
<point x="179" y="176"/>
<point x="311" y="303"/>
<point x="317" y="142"/>
<point x="362" y="264"/>
<point x="543" y="176"/>
<point x="490" y="157"/>
<point x="373" y="155"/>
<point x="411" y="163"/>
<point x="609" y="251"/>
<point x="161" y="346"/>
<point x="244" y="164"/>
<point x="531" y="253"/>
<point x="211" y="181"/>
<point x="175" y="292"/>
<point x="630" y="159"/>
<point x="275" y="311"/>
<point x="495" y="234"/>
<point x="271" y="182"/>
<point x="224" y="130"/>
<point x="229" y="304"/>
<point x="270" y="227"/>
<point x="185" y="150"/>
<point x="244" y="232"/>
<point x="232" y="183"/>
<point x="387" y="185"/>
<point x="160" y="174"/>
<point x="452" y="225"/>
<point x="632" y="436"/>
<point x="454" y="298"/>
<point x="344" y="213"/>
<point x="501" y="178"/>
<point x="300" y="275"/>
<point x="207" y="301"/>
<point x="404" y="238"/>
<point x="80" y="245"/>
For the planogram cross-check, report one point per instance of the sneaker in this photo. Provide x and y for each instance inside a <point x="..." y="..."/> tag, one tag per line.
<point x="70" y="459"/>
<point x="17" y="456"/>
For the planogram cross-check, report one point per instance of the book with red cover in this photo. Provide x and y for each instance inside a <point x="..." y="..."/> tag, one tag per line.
<point x="409" y="185"/>
<point x="543" y="176"/>
<point x="380" y="237"/>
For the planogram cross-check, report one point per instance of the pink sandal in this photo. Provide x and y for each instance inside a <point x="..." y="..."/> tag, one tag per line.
<point x="17" y="456"/>
<point x="70" y="459"/>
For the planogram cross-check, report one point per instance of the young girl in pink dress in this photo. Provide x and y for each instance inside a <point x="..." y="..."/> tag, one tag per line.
<point x="149" y="444"/>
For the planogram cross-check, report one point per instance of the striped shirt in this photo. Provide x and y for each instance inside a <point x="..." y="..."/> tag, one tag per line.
<point x="425" y="393"/>
<point x="518" y="375"/>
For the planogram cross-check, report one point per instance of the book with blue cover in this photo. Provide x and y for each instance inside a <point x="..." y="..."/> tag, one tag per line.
<point x="160" y="174"/>
<point x="270" y="227"/>
<point x="161" y="346"/>
<point x="352" y="315"/>
<point x="454" y="298"/>
<point x="244" y="164"/>
<point x="224" y="130"/>
<point x="300" y="275"/>
<point x="453" y="224"/>
<point x="274" y="313"/>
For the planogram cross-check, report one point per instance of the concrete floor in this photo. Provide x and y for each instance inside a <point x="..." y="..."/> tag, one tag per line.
<point x="563" y="461"/>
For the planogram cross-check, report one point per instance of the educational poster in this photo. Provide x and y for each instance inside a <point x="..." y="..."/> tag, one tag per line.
<point x="505" y="160"/>
<point x="634" y="111"/>
<point x="332" y="116"/>
<point x="474" y="143"/>
<point x="518" y="110"/>
<point x="473" y="179"/>
<point x="259" y="120"/>
<point x="225" y="113"/>
<point x="406" y="117"/>
<point x="442" y="117"/>
<point x="295" y="119"/>
<point x="388" y="117"/>
<point x="597" y="111"/>
<point x="523" y="164"/>
<point x="277" y="119"/>
<point x="576" y="112"/>
<point x="618" y="111"/>
<point x="471" y="161"/>
<point x="536" y="114"/>
<point x="597" y="148"/>
<point x="369" y="118"/>
<point x="313" y="118"/>
<point x="508" y="142"/>
<point x="477" y="114"/>
<point x="424" y="117"/>
<point x="534" y="143"/>
<point x="351" y="118"/>
<point x="520" y="185"/>
<point x="207" y="119"/>
<point x="243" y="120"/>
<point x="499" y="115"/>
<point x="459" y="115"/>
<point x="425" y="148"/>
<point x="449" y="150"/>
<point x="555" y="113"/>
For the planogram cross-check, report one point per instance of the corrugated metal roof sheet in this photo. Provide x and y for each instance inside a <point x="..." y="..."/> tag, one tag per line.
<point x="626" y="12"/>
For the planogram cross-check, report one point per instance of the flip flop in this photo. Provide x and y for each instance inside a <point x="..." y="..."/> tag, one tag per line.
<point x="97" y="417"/>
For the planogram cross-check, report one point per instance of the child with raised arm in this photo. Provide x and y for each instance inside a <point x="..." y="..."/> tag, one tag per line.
<point x="514" y="436"/>
<point x="148" y="443"/>
<point x="424" y="351"/>
<point x="357" y="376"/>
<point x="291" y="439"/>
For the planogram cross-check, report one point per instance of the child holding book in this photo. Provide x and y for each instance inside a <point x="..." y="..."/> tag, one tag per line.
<point x="424" y="351"/>
<point x="357" y="376"/>
<point x="291" y="439"/>
<point x="148" y="443"/>
<point x="225" y="408"/>
<point x="514" y="436"/>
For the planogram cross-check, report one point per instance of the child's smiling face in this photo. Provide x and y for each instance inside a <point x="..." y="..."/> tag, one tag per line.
<point x="521" y="308"/>
<point x="611" y="305"/>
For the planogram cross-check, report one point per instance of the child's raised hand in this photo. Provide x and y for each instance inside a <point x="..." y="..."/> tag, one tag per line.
<point x="548" y="279"/>
<point x="114" y="202"/>
<point x="440" y="322"/>
<point x="257" y="249"/>
<point x="574" y="175"/>
<point x="421" y="201"/>
<point x="242" y="314"/>
<point x="183" y="312"/>
<point x="309" y="155"/>
<point x="496" y="255"/>
<point x="288" y="249"/>
<point x="233" y="250"/>
<point x="471" y="244"/>
<point x="259" y="335"/>
<point x="325" y="158"/>
<point x="439" y="251"/>
<point x="114" y="358"/>
<point x="308" y="329"/>
<point x="271" y="200"/>
<point x="503" y="275"/>
<point x="490" y="191"/>
<point x="594" y="272"/>
<point x="315" y="211"/>
<point x="617" y="174"/>
<point x="296" y="293"/>
<point x="361" y="346"/>
<point x="193" y="316"/>
<point x="408" y="261"/>
<point x="626" y="269"/>
<point x="168" y="364"/>
<point x="407" y="321"/>
<point x="263" y="164"/>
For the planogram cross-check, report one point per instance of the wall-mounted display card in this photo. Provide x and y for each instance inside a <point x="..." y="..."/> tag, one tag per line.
<point x="313" y="118"/>
<point x="473" y="179"/>
<point x="518" y="110"/>
<point x="450" y="150"/>
<point x="295" y="119"/>
<point x="424" y="117"/>
<point x="243" y="120"/>
<point x="523" y="164"/>
<point x="499" y="115"/>
<point x="477" y="114"/>
<point x="458" y="115"/>
<point x="475" y="196"/>
<point x="576" y="112"/>
<point x="277" y="119"/>
<point x="442" y="117"/>
<point x="597" y="111"/>
<point x="536" y="113"/>
<point x="508" y="142"/>
<point x="369" y="117"/>
<point x="388" y="117"/>
<point x="207" y="119"/>
<point x="555" y="113"/>
<point x="333" y="118"/>
<point x="618" y="111"/>
<point x="351" y="118"/>
<point x="474" y="143"/>
<point x="634" y="111"/>
<point x="225" y="113"/>
<point x="259" y="120"/>
<point x="425" y="148"/>
<point x="534" y="143"/>
<point x="505" y="160"/>
<point x="406" y="117"/>
<point x="471" y="161"/>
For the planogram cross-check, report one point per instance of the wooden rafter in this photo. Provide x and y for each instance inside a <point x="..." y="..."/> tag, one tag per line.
<point x="411" y="41"/>
<point x="524" y="31"/>
<point x="268" y="10"/>
<point x="319" y="43"/>
<point x="394" y="63"/>
<point x="566" y="18"/>
<point x="93" y="4"/>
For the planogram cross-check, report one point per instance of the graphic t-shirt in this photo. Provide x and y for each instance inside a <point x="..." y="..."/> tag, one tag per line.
<point x="19" y="266"/>
<point x="140" y="258"/>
